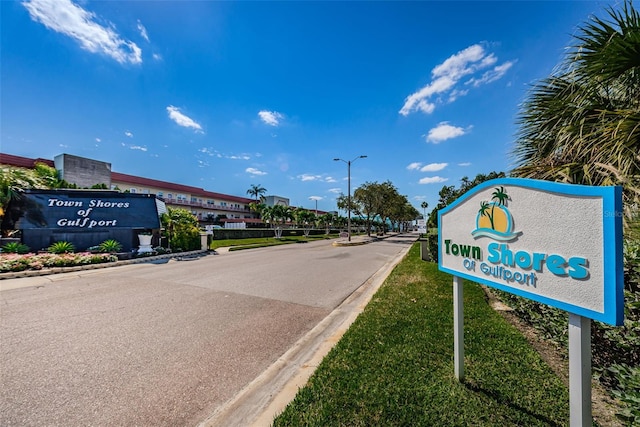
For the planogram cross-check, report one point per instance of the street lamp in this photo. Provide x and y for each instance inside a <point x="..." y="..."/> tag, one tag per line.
<point x="316" y="199"/>
<point x="348" y="162"/>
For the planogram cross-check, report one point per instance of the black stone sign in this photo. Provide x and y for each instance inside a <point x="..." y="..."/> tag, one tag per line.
<point x="82" y="217"/>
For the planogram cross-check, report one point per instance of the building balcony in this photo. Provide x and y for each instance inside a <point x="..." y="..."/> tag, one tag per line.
<point x="204" y="205"/>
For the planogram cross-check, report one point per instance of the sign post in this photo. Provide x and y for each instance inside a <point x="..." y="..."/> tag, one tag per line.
<point x="557" y="244"/>
<point x="579" y="370"/>
<point x="458" y="328"/>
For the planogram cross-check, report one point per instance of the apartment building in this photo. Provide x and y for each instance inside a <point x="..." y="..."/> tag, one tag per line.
<point x="205" y="205"/>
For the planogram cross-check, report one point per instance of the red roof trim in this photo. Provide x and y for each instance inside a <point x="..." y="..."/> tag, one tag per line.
<point x="22" y="162"/>
<point x="25" y="162"/>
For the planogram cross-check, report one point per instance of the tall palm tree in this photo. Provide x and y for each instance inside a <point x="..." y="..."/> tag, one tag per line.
<point x="582" y="124"/>
<point x="424" y="206"/>
<point x="256" y="191"/>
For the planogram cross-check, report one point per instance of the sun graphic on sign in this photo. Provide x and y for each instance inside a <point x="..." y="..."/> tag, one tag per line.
<point x="494" y="219"/>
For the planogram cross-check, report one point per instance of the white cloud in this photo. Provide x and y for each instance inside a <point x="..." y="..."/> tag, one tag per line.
<point x="309" y="177"/>
<point x="65" y="17"/>
<point x="414" y="166"/>
<point x="456" y="93"/>
<point x="143" y="31"/>
<point x="445" y="77"/>
<point x="460" y="64"/>
<point x="272" y="118"/>
<point x="445" y="131"/>
<point x="138" y="147"/>
<point x="316" y="198"/>
<point x="464" y="164"/>
<point x="98" y="140"/>
<point x="157" y="57"/>
<point x="432" y="180"/>
<point x="129" y="134"/>
<point x="202" y="164"/>
<point x="254" y="171"/>
<point x="183" y="120"/>
<point x="335" y="190"/>
<point x="492" y="75"/>
<point x="434" y="167"/>
<point x="215" y="153"/>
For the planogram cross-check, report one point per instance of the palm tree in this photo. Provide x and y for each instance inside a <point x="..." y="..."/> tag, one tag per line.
<point x="582" y="124"/>
<point x="424" y="206"/>
<point x="266" y="213"/>
<point x="280" y="214"/>
<point x="500" y="196"/>
<point x="305" y="219"/>
<point x="484" y="207"/>
<point x="256" y="191"/>
<point x="14" y="180"/>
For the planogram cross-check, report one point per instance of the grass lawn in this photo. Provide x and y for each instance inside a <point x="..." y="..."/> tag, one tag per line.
<point x="394" y="366"/>
<point x="237" y="244"/>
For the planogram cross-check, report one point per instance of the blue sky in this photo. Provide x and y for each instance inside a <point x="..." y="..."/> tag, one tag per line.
<point x="223" y="95"/>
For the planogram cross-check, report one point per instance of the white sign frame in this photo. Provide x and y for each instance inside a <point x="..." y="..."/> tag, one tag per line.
<point x="601" y="301"/>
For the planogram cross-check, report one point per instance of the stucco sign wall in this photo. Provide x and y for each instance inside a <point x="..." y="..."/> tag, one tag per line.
<point x="558" y="244"/>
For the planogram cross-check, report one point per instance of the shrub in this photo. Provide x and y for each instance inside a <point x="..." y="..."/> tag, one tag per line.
<point x="616" y="349"/>
<point x="16" y="262"/>
<point x="433" y="246"/>
<point x="160" y="250"/>
<point x="182" y="228"/>
<point x="109" y="246"/>
<point x="61" y="248"/>
<point x="15" y="248"/>
<point x="187" y="239"/>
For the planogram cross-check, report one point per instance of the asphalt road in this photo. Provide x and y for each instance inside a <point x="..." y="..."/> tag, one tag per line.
<point x="166" y="344"/>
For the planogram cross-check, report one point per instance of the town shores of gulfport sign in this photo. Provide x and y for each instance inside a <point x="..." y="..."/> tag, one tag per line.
<point x="558" y="244"/>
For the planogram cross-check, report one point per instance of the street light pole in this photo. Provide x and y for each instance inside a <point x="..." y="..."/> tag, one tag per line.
<point x="313" y="198"/>
<point x="348" y="162"/>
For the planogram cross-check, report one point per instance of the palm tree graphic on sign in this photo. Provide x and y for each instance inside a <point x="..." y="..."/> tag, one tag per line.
<point x="494" y="219"/>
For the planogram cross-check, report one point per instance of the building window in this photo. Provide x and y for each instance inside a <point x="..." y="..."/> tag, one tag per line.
<point x="159" y="194"/>
<point x="169" y="196"/>
<point x="132" y="190"/>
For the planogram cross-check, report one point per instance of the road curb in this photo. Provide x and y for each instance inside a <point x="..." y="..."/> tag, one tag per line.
<point x="267" y="395"/>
